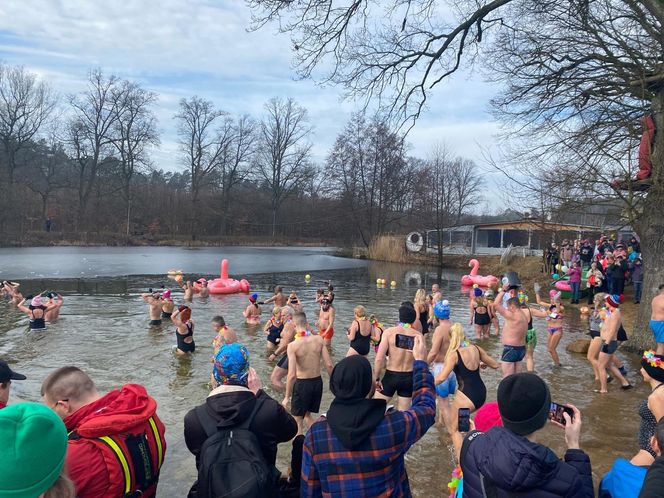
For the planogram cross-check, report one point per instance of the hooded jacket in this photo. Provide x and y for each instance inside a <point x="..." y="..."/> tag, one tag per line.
<point x="518" y="467"/>
<point x="122" y="415"/>
<point x="232" y="405"/>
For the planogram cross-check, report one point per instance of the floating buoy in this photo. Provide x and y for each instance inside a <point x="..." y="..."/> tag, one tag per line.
<point x="378" y="281"/>
<point x="393" y="284"/>
<point x="307" y="278"/>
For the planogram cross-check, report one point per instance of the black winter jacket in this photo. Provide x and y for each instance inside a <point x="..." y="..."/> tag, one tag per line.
<point x="502" y="464"/>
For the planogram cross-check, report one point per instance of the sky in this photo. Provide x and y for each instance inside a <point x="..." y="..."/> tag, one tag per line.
<point x="180" y="48"/>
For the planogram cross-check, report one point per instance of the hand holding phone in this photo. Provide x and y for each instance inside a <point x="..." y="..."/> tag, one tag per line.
<point x="404" y="341"/>
<point x="556" y="412"/>
<point x="464" y="420"/>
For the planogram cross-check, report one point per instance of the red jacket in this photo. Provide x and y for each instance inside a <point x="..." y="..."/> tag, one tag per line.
<point x="104" y="433"/>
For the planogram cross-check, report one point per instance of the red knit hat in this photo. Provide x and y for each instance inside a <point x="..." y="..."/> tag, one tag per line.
<point x="487" y="417"/>
<point x="613" y="300"/>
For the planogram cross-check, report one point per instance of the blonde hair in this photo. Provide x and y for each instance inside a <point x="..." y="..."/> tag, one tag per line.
<point x="420" y="296"/>
<point x="360" y="311"/>
<point x="457" y="337"/>
<point x="276" y="311"/>
<point x="599" y="298"/>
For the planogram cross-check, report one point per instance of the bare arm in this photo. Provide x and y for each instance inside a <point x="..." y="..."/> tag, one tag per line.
<point x="283" y="344"/>
<point x="333" y="314"/>
<point x="540" y="313"/>
<point x="498" y="303"/>
<point x="352" y="331"/>
<point x="486" y="359"/>
<point x="380" y="357"/>
<point x="327" y="360"/>
<point x="292" y="374"/>
<point x="22" y="307"/>
<point x="177" y="321"/>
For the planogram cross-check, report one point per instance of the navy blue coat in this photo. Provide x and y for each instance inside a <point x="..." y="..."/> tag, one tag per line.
<point x="512" y="466"/>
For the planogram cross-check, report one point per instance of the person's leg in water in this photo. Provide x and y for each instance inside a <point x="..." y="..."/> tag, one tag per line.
<point x="593" y="354"/>
<point x="404" y="403"/>
<point x="552" y="345"/>
<point x="602" y="361"/>
<point x="277" y="378"/>
<point x="530" y="358"/>
<point x="509" y="367"/>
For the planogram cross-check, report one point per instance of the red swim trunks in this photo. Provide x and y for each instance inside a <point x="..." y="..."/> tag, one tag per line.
<point x="327" y="334"/>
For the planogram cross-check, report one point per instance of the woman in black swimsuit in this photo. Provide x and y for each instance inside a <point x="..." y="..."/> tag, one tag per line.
<point x="482" y="318"/>
<point x="465" y="359"/>
<point x="184" y="330"/>
<point x="422" y="310"/>
<point x="36" y="311"/>
<point x="359" y="333"/>
<point x="652" y="410"/>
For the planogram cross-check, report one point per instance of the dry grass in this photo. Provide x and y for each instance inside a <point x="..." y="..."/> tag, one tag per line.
<point x="389" y="248"/>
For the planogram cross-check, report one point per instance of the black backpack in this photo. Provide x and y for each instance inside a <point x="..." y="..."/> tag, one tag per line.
<point x="232" y="464"/>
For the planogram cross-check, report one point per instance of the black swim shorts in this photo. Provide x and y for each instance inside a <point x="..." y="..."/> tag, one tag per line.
<point x="307" y="394"/>
<point x="513" y="354"/>
<point x="609" y="347"/>
<point x="399" y="382"/>
<point x="283" y="362"/>
<point x="155" y="323"/>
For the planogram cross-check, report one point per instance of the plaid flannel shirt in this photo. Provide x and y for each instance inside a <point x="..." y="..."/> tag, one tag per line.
<point x="376" y="467"/>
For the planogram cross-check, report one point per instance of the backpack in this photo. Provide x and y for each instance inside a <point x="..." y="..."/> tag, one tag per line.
<point x="232" y="464"/>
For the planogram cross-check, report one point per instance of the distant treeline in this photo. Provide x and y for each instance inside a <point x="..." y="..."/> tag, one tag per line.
<point x="83" y="164"/>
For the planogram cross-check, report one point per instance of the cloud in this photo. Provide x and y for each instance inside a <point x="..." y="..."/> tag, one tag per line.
<point x="179" y="49"/>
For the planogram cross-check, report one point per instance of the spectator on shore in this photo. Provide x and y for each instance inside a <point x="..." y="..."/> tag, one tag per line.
<point x="507" y="461"/>
<point x="238" y="397"/>
<point x="358" y="449"/>
<point x="98" y="426"/>
<point x="6" y="377"/>
<point x="637" y="279"/>
<point x="635" y="245"/>
<point x="586" y="253"/>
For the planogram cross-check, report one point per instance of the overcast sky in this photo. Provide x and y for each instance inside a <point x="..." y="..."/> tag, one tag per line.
<point x="181" y="48"/>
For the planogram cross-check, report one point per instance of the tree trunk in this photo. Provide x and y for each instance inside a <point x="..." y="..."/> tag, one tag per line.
<point x="440" y="247"/>
<point x="651" y="231"/>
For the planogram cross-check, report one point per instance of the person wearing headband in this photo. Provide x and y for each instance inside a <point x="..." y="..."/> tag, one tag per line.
<point x="609" y="335"/>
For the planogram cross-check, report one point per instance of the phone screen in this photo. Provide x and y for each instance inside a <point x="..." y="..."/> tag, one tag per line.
<point x="556" y="413"/>
<point x="405" y="341"/>
<point x="464" y="419"/>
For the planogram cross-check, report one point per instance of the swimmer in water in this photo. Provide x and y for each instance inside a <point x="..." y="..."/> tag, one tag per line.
<point x="252" y="312"/>
<point x="225" y="335"/>
<point x="325" y="322"/>
<point x="273" y="328"/>
<point x="36" y="311"/>
<point x="188" y="291"/>
<point x="287" y="336"/>
<point x="531" y="334"/>
<point x="294" y="302"/>
<point x="57" y="300"/>
<point x="278" y="299"/>
<point x="359" y="333"/>
<point x="167" y="305"/>
<point x="12" y="288"/>
<point x="154" y="301"/>
<point x="184" y="330"/>
<point x="203" y="290"/>
<point x="554" y="325"/>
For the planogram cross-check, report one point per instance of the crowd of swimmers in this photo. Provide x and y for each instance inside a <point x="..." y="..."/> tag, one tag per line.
<point x="114" y="445"/>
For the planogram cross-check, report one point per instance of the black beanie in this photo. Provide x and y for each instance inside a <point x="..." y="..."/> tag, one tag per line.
<point x="523" y="401"/>
<point x="407" y="313"/>
<point x="351" y="378"/>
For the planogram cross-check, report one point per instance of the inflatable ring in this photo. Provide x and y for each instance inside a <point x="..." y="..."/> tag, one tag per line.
<point x="414" y="242"/>
<point x="413" y="278"/>
<point x="174" y="272"/>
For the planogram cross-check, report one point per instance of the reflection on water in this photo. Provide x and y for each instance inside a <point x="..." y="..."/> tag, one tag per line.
<point x="104" y="330"/>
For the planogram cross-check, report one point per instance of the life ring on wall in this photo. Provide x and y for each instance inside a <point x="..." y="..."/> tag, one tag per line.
<point x="414" y="242"/>
<point x="413" y="278"/>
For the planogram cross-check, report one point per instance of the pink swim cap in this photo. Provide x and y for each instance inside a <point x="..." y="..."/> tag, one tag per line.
<point x="166" y="294"/>
<point x="36" y="301"/>
<point x="487" y="417"/>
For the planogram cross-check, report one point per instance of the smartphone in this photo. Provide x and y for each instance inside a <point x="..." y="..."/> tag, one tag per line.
<point x="556" y="413"/>
<point x="405" y="341"/>
<point x="464" y="420"/>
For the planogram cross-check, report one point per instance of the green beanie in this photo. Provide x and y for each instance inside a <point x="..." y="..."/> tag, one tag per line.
<point x="33" y="445"/>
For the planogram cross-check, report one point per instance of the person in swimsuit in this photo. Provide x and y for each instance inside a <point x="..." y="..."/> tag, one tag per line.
<point x="53" y="299"/>
<point x="398" y="378"/>
<point x="652" y="409"/>
<point x="36" y="312"/>
<point x="359" y="333"/>
<point x="489" y="297"/>
<point x="12" y="288"/>
<point x="609" y="335"/>
<point x="422" y="306"/>
<point x="376" y="331"/>
<point x="657" y="319"/>
<point x="531" y="334"/>
<point x="273" y="328"/>
<point x="253" y="311"/>
<point x="188" y="291"/>
<point x="304" y="386"/>
<point x="294" y="302"/>
<point x="184" y="330"/>
<point x="436" y="294"/>
<point x="465" y="360"/>
<point x="203" y="290"/>
<point x="514" y="331"/>
<point x="278" y="299"/>
<point x="325" y="322"/>
<point x="330" y="293"/>
<point x="287" y="336"/>
<point x="594" y="328"/>
<point x="440" y="343"/>
<point x="554" y="323"/>
<point x="154" y="301"/>
<point x="482" y="318"/>
<point x="225" y="334"/>
<point x="167" y="305"/>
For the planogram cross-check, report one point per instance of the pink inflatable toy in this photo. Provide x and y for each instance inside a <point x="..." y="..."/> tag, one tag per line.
<point x="474" y="278"/>
<point x="563" y="285"/>
<point x="225" y="285"/>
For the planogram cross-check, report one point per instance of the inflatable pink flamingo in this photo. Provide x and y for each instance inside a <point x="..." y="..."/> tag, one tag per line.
<point x="474" y="278"/>
<point x="225" y="285"/>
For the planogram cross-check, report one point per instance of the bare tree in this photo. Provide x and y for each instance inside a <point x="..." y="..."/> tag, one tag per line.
<point x="372" y="175"/>
<point x="205" y="137"/>
<point x="91" y="132"/>
<point x="134" y="131"/>
<point x="25" y="105"/>
<point x="283" y="153"/>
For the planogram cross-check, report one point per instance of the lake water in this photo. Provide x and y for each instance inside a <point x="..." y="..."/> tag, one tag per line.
<point x="103" y="329"/>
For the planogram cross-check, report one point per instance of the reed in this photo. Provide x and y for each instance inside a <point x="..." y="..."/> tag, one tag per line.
<point x="389" y="248"/>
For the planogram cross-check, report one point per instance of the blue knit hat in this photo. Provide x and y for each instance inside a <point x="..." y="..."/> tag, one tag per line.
<point x="442" y="309"/>
<point x="231" y="365"/>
